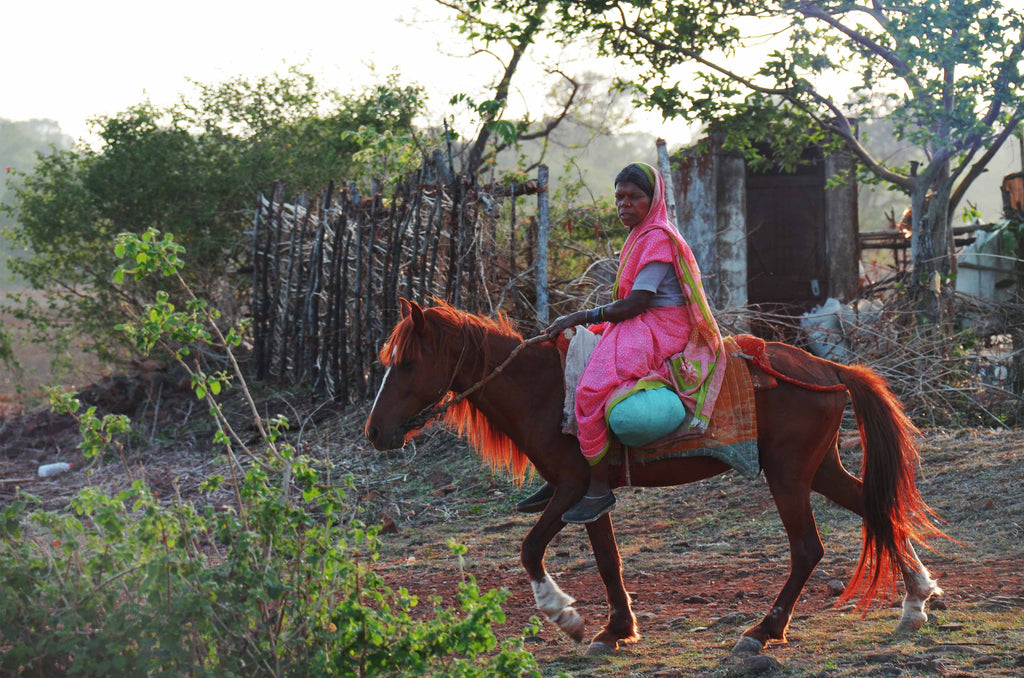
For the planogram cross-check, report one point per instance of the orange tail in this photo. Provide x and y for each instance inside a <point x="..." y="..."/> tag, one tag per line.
<point x="894" y="512"/>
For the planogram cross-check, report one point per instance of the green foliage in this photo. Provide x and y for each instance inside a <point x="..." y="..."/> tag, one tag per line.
<point x="277" y="581"/>
<point x="192" y="171"/>
<point x="21" y="145"/>
<point x="914" y="46"/>
<point x="947" y="74"/>
<point x="124" y="585"/>
<point x="98" y="435"/>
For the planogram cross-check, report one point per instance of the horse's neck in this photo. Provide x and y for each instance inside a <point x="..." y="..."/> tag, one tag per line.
<point x="526" y="395"/>
<point x="478" y="363"/>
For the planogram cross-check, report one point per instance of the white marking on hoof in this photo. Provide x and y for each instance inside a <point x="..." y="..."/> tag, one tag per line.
<point x="550" y="599"/>
<point x="747" y="647"/>
<point x="599" y="649"/>
<point x="556" y="606"/>
<point x="921" y="584"/>
<point x="571" y="624"/>
<point x="920" y="587"/>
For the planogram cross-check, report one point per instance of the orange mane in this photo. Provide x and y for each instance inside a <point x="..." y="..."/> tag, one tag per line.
<point x="448" y="326"/>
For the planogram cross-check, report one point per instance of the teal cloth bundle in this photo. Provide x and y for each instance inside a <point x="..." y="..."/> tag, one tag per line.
<point x="646" y="415"/>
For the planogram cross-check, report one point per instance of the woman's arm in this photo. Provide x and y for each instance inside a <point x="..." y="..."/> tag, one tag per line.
<point x="622" y="309"/>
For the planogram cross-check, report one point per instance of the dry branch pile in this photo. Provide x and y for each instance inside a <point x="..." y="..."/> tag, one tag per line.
<point x="967" y="372"/>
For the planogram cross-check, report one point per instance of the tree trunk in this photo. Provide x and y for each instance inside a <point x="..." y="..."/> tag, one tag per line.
<point x="931" y="245"/>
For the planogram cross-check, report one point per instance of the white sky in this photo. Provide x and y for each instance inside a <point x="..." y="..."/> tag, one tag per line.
<point x="71" y="60"/>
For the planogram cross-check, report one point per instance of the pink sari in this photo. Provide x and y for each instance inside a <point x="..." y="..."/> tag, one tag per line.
<point x="677" y="346"/>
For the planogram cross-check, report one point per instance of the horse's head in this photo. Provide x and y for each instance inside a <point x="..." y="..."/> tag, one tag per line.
<point x="418" y="375"/>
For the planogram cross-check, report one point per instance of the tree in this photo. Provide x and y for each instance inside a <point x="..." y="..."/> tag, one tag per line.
<point x="21" y="144"/>
<point x="516" y="25"/>
<point x="950" y="73"/>
<point x="192" y="170"/>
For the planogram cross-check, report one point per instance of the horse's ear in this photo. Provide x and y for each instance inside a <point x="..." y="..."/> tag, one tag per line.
<point x="411" y="308"/>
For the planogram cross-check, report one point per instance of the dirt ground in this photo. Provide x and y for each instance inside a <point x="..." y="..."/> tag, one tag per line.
<point x="24" y="383"/>
<point x="702" y="562"/>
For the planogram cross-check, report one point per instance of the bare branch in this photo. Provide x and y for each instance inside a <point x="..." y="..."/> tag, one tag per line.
<point x="547" y="130"/>
<point x="840" y="126"/>
<point x="980" y="166"/>
<point x="902" y="69"/>
<point x="561" y="116"/>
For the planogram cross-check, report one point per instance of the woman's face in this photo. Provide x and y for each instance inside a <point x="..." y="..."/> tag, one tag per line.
<point x="631" y="203"/>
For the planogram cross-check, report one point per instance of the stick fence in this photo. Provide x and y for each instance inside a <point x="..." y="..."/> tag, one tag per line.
<point x="329" y="269"/>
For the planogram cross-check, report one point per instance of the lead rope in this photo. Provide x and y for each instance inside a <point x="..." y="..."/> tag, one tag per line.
<point x="435" y="410"/>
<point x="624" y="473"/>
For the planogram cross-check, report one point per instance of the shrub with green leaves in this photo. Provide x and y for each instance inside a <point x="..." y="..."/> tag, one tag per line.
<point x="123" y="586"/>
<point x="192" y="170"/>
<point x="276" y="580"/>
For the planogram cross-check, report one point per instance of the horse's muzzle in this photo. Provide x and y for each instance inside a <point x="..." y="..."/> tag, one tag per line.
<point x="382" y="440"/>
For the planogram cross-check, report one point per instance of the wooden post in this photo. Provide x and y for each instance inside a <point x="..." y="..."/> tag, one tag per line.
<point x="543" y="233"/>
<point x="666" y="175"/>
<point x="273" y="260"/>
<point x="258" y="336"/>
<point x="289" y="304"/>
<point x="512" y="236"/>
<point x="841" y="243"/>
<point x="314" y="326"/>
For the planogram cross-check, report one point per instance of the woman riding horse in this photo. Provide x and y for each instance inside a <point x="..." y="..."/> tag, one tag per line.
<point x="658" y="332"/>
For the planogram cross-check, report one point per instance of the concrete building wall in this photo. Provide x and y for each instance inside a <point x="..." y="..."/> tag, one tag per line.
<point x="710" y="187"/>
<point x="711" y="207"/>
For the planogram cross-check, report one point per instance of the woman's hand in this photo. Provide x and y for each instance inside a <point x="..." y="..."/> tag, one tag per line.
<point x="564" y="322"/>
<point x="636" y="303"/>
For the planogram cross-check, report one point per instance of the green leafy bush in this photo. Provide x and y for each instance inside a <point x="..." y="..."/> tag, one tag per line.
<point x="275" y="577"/>
<point x="125" y="586"/>
<point x="192" y="170"/>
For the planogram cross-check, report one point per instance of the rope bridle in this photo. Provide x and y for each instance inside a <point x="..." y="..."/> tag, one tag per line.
<point x="438" y="408"/>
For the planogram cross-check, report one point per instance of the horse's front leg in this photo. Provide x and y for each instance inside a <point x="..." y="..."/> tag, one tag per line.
<point x="555" y="603"/>
<point x="621" y="626"/>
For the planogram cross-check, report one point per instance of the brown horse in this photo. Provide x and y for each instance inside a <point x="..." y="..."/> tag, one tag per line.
<point x="515" y="420"/>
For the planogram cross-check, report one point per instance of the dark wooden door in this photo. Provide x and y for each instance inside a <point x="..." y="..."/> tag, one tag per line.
<point x="786" y="267"/>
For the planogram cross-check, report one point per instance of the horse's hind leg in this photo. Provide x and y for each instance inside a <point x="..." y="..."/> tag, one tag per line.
<point x="792" y="497"/>
<point x="621" y="626"/>
<point x="836" y="483"/>
<point x="920" y="587"/>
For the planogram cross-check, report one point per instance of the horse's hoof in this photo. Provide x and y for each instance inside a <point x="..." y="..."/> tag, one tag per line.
<point x="910" y="626"/>
<point x="571" y="623"/>
<point x="599" y="649"/>
<point x="747" y="647"/>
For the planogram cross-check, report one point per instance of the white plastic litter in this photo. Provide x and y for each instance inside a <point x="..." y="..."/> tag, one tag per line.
<point x="47" y="470"/>
<point x="823" y="325"/>
<point x="831" y="326"/>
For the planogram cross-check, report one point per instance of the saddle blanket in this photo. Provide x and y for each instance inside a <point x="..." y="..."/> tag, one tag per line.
<point x="731" y="436"/>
